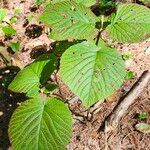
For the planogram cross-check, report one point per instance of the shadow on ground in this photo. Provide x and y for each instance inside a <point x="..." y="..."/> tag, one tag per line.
<point x="9" y="101"/>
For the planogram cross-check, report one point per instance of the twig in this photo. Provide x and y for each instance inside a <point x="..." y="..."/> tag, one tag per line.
<point x="121" y="109"/>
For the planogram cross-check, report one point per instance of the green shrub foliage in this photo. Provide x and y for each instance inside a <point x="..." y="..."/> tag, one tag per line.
<point x="88" y="66"/>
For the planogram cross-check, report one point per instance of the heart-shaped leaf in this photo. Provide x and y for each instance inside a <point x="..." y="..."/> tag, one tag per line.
<point x="40" y="125"/>
<point x="92" y="72"/>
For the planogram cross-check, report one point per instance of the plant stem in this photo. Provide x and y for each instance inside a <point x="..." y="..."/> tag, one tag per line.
<point x="100" y="30"/>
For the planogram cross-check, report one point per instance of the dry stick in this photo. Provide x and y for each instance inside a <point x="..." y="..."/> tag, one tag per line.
<point x="120" y="110"/>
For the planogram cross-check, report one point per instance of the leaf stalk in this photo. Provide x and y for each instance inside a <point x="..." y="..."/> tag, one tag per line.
<point x="100" y="30"/>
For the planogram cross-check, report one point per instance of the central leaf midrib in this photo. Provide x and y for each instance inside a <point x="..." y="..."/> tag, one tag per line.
<point x="90" y="86"/>
<point x="38" y="137"/>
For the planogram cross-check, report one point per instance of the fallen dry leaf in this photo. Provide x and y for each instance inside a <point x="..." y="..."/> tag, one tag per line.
<point x="143" y="127"/>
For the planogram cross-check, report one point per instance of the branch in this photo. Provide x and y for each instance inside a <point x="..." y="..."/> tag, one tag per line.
<point x="120" y="110"/>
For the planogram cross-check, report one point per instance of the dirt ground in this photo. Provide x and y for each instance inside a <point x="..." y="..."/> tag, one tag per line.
<point x="85" y="131"/>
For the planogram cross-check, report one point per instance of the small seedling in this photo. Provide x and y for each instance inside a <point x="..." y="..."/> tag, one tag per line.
<point x="15" y="46"/>
<point x="143" y="115"/>
<point x="129" y="75"/>
<point x="8" y="30"/>
<point x="6" y="27"/>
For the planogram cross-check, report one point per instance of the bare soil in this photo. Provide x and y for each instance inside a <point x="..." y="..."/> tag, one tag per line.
<point x="34" y="42"/>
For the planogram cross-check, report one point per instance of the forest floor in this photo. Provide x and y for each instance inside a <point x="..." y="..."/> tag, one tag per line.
<point x="85" y="131"/>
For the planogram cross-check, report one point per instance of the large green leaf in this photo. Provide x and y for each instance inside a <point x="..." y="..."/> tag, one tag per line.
<point x="87" y="3"/>
<point x="92" y="72"/>
<point x="131" y="23"/>
<point x="40" y="125"/>
<point x="69" y="20"/>
<point x="31" y="77"/>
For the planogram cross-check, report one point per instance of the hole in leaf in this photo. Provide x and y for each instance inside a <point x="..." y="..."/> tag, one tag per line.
<point x="64" y="15"/>
<point x="81" y="73"/>
<point x="73" y="8"/>
<point x="73" y="21"/>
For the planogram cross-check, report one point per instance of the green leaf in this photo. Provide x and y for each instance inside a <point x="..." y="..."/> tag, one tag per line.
<point x="106" y="4"/>
<point x="92" y="73"/>
<point x="143" y="115"/>
<point x="87" y="3"/>
<point x="61" y="46"/>
<point x="69" y="20"/>
<point x="50" y="87"/>
<point x="131" y="23"/>
<point x="129" y="75"/>
<point x="15" y="46"/>
<point x="31" y="77"/>
<point x="13" y="19"/>
<point x="38" y="2"/>
<point x="2" y="14"/>
<point x="9" y="30"/>
<point x="40" y="125"/>
<point x="143" y="127"/>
